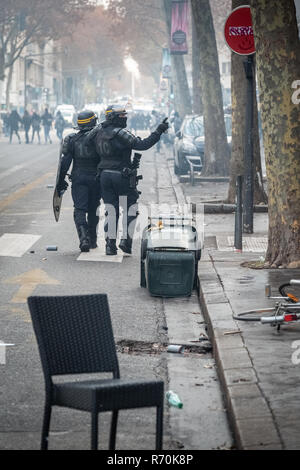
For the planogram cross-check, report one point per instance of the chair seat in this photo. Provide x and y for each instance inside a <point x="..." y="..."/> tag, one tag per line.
<point x="112" y="394"/>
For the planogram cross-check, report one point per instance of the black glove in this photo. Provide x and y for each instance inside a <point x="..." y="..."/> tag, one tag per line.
<point x="163" y="126"/>
<point x="61" y="187"/>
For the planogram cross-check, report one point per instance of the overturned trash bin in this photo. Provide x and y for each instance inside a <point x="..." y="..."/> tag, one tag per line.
<point x="170" y="251"/>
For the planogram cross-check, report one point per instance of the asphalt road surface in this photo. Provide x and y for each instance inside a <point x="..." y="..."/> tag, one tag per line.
<point x="143" y="325"/>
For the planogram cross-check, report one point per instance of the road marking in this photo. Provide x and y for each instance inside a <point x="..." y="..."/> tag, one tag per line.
<point x="98" y="254"/>
<point x="16" y="244"/>
<point x="29" y="281"/>
<point x="23" y="191"/>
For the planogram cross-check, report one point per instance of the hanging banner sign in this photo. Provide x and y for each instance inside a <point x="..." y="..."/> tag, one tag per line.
<point x="179" y="28"/>
<point x="166" y="63"/>
<point x="164" y="84"/>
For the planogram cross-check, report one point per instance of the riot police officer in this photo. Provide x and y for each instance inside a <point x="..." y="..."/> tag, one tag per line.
<point x="114" y="144"/>
<point x="80" y="149"/>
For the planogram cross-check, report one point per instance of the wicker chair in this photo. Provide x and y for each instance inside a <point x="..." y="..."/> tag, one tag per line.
<point x="74" y="335"/>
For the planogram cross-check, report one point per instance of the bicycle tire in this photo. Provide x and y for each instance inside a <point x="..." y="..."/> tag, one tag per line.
<point x="288" y="290"/>
<point x="253" y="315"/>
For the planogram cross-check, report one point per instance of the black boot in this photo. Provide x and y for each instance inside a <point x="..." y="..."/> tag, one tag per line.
<point x="84" y="244"/>
<point x="126" y="245"/>
<point x="93" y="243"/>
<point x="92" y="227"/>
<point x="110" y="248"/>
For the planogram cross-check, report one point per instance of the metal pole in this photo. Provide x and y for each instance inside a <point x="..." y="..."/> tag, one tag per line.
<point x="238" y="241"/>
<point x="249" y="186"/>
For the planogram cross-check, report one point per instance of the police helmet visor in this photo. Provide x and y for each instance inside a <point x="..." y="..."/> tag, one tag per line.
<point x="116" y="111"/>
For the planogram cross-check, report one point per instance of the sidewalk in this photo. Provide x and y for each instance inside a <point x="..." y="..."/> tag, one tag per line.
<point x="260" y="382"/>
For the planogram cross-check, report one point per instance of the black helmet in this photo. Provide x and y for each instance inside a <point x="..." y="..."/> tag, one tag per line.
<point x="116" y="114"/>
<point x="86" y="119"/>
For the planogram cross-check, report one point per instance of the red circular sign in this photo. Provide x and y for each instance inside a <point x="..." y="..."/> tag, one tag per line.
<point x="238" y="31"/>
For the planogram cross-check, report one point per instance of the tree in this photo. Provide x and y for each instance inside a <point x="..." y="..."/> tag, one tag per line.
<point x="36" y="22"/>
<point x="99" y="58"/>
<point x="136" y="23"/>
<point x="238" y="96"/>
<point x="217" y="151"/>
<point x="278" y="66"/>
<point x="197" y="92"/>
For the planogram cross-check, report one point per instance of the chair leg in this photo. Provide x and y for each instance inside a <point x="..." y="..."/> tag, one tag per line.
<point x="159" y="428"/>
<point x="94" y="430"/>
<point x="46" y="426"/>
<point x="113" y="430"/>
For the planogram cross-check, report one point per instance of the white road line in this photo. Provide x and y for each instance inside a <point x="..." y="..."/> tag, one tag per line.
<point x="98" y="254"/>
<point x="16" y="244"/>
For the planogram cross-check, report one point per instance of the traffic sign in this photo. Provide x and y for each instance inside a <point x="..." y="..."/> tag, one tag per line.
<point x="238" y="31"/>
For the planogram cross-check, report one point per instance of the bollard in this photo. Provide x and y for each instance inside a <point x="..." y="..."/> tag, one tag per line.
<point x="238" y="230"/>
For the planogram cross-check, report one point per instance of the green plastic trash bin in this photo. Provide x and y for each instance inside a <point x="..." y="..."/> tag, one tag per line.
<point x="170" y="251"/>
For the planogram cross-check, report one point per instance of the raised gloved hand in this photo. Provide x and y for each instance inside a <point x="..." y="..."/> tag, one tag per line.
<point x="163" y="126"/>
<point x="61" y="187"/>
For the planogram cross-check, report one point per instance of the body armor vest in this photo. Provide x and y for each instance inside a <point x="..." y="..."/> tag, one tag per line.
<point x="85" y="155"/>
<point x="114" y="153"/>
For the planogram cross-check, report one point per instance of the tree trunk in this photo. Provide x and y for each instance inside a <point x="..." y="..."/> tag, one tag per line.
<point x="2" y="64"/>
<point x="197" y="94"/>
<point x="278" y="65"/>
<point x="217" y="153"/>
<point x="181" y="88"/>
<point x="8" y="85"/>
<point x="238" y="98"/>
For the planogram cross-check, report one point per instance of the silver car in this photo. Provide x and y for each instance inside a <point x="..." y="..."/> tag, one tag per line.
<point x="189" y="140"/>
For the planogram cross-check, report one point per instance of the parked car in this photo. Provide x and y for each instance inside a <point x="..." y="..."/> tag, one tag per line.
<point x="189" y="140"/>
<point x="69" y="114"/>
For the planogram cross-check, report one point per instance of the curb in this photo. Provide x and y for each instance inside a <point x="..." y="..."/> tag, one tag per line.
<point x="249" y="414"/>
<point x="229" y="208"/>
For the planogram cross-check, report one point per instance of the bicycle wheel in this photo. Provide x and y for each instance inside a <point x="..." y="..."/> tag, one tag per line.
<point x="291" y="291"/>
<point x="254" y="315"/>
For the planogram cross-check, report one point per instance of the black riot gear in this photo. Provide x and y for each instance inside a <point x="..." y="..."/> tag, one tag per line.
<point x="114" y="144"/>
<point x="86" y="119"/>
<point x="117" y="115"/>
<point x="80" y="149"/>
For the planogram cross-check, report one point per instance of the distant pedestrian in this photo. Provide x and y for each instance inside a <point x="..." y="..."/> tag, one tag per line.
<point x="13" y="121"/>
<point x="59" y="125"/>
<point x="47" y="122"/>
<point x="5" y="119"/>
<point x="27" y="125"/>
<point x="35" y="122"/>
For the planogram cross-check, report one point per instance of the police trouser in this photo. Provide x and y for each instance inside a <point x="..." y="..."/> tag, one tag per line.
<point x="116" y="193"/>
<point x="86" y="198"/>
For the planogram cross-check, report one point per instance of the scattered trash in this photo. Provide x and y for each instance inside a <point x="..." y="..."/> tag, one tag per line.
<point x="50" y="185"/>
<point x="174" y="348"/>
<point x="208" y="366"/>
<point x="173" y="399"/>
<point x="31" y="251"/>
<point x="51" y="248"/>
<point x="44" y="259"/>
<point x="236" y="332"/>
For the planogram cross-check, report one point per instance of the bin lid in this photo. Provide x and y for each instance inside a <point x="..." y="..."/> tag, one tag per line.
<point x="172" y="237"/>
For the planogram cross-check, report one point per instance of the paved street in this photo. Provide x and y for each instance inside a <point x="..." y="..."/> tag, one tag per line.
<point x="143" y="325"/>
<point x="258" y="367"/>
